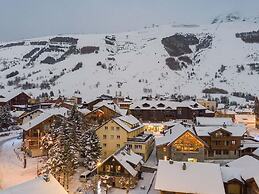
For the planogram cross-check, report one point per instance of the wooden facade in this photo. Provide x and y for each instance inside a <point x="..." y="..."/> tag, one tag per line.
<point x="187" y="147"/>
<point x="222" y="145"/>
<point x="19" y="99"/>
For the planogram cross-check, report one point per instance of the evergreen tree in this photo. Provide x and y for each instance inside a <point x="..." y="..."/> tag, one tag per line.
<point x="5" y="118"/>
<point x="62" y="156"/>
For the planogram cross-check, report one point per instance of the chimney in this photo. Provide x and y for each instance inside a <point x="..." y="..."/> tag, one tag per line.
<point x="184" y="166"/>
<point x="224" y="125"/>
<point x="46" y="177"/>
<point x="170" y="130"/>
<point x="171" y="161"/>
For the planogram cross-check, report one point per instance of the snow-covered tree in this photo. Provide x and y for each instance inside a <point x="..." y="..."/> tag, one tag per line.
<point x="62" y="156"/>
<point x="5" y="118"/>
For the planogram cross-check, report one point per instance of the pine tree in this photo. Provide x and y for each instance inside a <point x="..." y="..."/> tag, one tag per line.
<point x="5" y="118"/>
<point x="62" y="156"/>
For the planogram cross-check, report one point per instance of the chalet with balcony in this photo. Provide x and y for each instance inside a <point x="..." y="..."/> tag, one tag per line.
<point x="122" y="165"/>
<point x="223" y="142"/>
<point x="181" y="143"/>
<point x="36" y="128"/>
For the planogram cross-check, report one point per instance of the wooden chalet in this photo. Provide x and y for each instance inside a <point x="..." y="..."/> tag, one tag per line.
<point x="123" y="164"/>
<point x="20" y="98"/>
<point x="180" y="143"/>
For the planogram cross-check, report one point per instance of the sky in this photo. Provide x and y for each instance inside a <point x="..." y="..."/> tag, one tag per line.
<point x="23" y="19"/>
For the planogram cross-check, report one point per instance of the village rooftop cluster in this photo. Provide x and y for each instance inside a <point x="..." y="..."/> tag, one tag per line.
<point x="148" y="145"/>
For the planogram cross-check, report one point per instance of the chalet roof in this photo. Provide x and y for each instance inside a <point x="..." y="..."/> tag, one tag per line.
<point x="231" y="173"/>
<point x="249" y="167"/>
<point x="256" y="152"/>
<point x="196" y="178"/>
<point x="37" y="185"/>
<point x="17" y="113"/>
<point x="249" y="143"/>
<point x="213" y="121"/>
<point x="129" y="120"/>
<point x="84" y="111"/>
<point x="11" y="95"/>
<point x="164" y="104"/>
<point x="47" y="113"/>
<point x="125" y="157"/>
<point x="235" y="130"/>
<point x="109" y="104"/>
<point x="173" y="133"/>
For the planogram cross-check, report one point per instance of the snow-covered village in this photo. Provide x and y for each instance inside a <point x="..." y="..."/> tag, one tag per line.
<point x="133" y="97"/>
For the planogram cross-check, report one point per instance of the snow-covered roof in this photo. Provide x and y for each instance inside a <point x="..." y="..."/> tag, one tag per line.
<point x="235" y="130"/>
<point x="164" y="104"/>
<point x="37" y="185"/>
<point x="213" y="121"/>
<point x="196" y="178"/>
<point x="256" y="152"/>
<point x="125" y="121"/>
<point x="125" y="157"/>
<point x="109" y="104"/>
<point x="231" y="173"/>
<point x="17" y="114"/>
<point x="47" y="113"/>
<point x="249" y="167"/>
<point x="11" y="95"/>
<point x="84" y="111"/>
<point x="249" y="143"/>
<point x="173" y="133"/>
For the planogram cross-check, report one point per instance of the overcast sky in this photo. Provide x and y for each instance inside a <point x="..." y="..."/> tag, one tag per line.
<point x="20" y="19"/>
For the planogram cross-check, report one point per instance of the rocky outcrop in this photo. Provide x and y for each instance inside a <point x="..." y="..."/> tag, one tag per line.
<point x="249" y="37"/>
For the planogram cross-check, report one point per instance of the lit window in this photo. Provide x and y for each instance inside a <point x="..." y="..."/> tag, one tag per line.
<point x="164" y="149"/>
<point x="233" y="142"/>
<point x="165" y="157"/>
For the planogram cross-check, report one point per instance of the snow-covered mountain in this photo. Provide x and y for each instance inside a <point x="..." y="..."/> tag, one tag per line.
<point x="158" y="60"/>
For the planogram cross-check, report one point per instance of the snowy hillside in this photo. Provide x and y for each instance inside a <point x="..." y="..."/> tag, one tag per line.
<point x="135" y="63"/>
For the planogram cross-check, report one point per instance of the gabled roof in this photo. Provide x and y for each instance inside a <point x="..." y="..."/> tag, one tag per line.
<point x="196" y="178"/>
<point x="47" y="113"/>
<point x="235" y="130"/>
<point x="121" y="122"/>
<point x="37" y="185"/>
<point x="11" y="95"/>
<point x="126" y="158"/>
<point x="249" y="167"/>
<point x="230" y="174"/>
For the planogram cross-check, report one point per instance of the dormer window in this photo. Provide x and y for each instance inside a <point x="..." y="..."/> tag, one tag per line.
<point x="160" y="105"/>
<point x="146" y="105"/>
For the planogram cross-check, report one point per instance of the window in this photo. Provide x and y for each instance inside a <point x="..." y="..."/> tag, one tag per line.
<point x="106" y="127"/>
<point x="104" y="145"/>
<point x="117" y="128"/>
<point x="107" y="168"/>
<point x="130" y="146"/>
<point x="104" y="136"/>
<point x="225" y="152"/>
<point x="118" y="136"/>
<point x="218" y="152"/>
<point x="118" y="145"/>
<point x="112" y="128"/>
<point x="179" y="111"/>
<point x="112" y="136"/>
<point x="118" y="169"/>
<point x="138" y="147"/>
<point x="164" y="149"/>
<point x="226" y="143"/>
<point x="233" y="142"/>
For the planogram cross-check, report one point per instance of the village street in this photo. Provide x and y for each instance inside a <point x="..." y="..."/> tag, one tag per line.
<point x="11" y="167"/>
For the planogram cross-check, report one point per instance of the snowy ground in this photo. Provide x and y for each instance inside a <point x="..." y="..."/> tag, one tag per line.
<point x="11" y="168"/>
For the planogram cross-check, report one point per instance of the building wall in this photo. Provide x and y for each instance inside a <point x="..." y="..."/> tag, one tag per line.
<point x="107" y="135"/>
